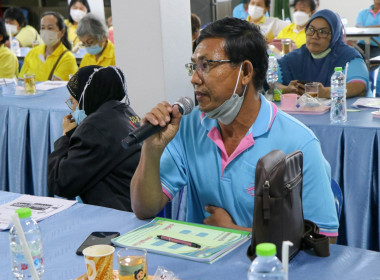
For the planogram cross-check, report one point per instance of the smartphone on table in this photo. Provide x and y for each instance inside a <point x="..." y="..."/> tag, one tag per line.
<point x="96" y="238"/>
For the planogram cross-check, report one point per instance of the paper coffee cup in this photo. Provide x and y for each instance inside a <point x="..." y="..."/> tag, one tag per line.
<point x="99" y="262"/>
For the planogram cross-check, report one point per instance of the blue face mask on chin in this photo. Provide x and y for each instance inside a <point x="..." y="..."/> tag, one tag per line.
<point x="79" y="115"/>
<point x="94" y="50"/>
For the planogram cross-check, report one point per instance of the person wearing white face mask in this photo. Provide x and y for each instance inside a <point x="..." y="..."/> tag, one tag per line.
<point x="93" y="33"/>
<point x="77" y="10"/>
<point x="269" y="26"/>
<point x="15" y="24"/>
<point x="53" y="59"/>
<point x="303" y="10"/>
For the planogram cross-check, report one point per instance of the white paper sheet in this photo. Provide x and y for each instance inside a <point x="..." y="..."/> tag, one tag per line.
<point x="367" y="103"/>
<point x="50" y="85"/>
<point x="42" y="207"/>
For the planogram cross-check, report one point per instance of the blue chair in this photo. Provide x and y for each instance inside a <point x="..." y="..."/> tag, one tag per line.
<point x="338" y="197"/>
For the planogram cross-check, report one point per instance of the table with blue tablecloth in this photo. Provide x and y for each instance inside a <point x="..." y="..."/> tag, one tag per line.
<point x="64" y="232"/>
<point x="29" y="127"/>
<point x="352" y="149"/>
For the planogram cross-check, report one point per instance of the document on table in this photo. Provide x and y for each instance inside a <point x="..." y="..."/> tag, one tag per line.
<point x="42" y="207"/>
<point x="214" y="242"/>
<point x="50" y="85"/>
<point x="371" y="102"/>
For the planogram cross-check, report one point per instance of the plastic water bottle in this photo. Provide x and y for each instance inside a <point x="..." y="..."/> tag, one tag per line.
<point x="272" y="73"/>
<point x="33" y="238"/>
<point x="338" y="112"/>
<point x="272" y="78"/>
<point x="15" y="47"/>
<point x="266" y="265"/>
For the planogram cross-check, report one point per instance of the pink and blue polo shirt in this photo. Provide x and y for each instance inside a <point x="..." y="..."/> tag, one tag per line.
<point x="196" y="158"/>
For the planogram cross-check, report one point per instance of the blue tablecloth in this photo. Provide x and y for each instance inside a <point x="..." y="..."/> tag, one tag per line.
<point x="29" y="127"/>
<point x="64" y="232"/>
<point x="352" y="149"/>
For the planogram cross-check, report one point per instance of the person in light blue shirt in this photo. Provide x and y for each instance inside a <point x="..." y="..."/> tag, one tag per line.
<point x="370" y="17"/>
<point x="241" y="10"/>
<point x="214" y="150"/>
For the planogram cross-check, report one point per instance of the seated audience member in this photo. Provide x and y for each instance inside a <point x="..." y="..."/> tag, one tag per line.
<point x="53" y="59"/>
<point x="214" y="150"/>
<point x="241" y="10"/>
<point x="77" y="10"/>
<point x="195" y="28"/>
<point x="88" y="160"/>
<point x="15" y="22"/>
<point x="315" y="61"/>
<point x="93" y="34"/>
<point x="270" y="27"/>
<point x="303" y="10"/>
<point x="9" y="62"/>
<point x="370" y="17"/>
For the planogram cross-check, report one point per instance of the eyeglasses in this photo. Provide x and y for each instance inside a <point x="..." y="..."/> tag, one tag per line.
<point x="69" y="104"/>
<point x="203" y="66"/>
<point x="322" y="33"/>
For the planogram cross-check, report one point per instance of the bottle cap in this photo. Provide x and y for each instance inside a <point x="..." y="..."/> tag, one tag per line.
<point x="266" y="249"/>
<point x="338" y="69"/>
<point x="24" y="212"/>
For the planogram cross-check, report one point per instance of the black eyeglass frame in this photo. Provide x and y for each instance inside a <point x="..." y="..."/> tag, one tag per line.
<point x="321" y="33"/>
<point x="192" y="66"/>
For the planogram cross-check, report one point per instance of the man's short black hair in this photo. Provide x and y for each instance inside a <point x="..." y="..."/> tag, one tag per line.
<point x="243" y="41"/>
<point x="17" y="14"/>
<point x="310" y="3"/>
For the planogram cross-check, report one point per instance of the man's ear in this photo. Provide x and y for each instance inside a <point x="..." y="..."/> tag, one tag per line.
<point x="248" y="72"/>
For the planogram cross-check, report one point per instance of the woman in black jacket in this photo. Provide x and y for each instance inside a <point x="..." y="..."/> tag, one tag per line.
<point x="88" y="160"/>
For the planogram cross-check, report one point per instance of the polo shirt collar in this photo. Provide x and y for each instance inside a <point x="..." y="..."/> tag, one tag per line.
<point x="261" y="125"/>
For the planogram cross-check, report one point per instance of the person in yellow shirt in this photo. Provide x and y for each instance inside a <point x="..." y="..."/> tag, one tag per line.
<point x="269" y="26"/>
<point x="53" y="59"/>
<point x="15" y="23"/>
<point x="77" y="10"/>
<point x="303" y="10"/>
<point x="9" y="62"/>
<point x="93" y="34"/>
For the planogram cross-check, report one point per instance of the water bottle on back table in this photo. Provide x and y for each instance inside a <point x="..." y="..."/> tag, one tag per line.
<point x="266" y="266"/>
<point x="272" y="78"/>
<point x="33" y="238"/>
<point x="338" y="112"/>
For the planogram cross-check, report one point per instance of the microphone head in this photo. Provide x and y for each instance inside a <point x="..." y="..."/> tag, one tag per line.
<point x="185" y="105"/>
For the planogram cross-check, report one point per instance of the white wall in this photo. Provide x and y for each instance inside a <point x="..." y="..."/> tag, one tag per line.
<point x="346" y="8"/>
<point x="152" y="45"/>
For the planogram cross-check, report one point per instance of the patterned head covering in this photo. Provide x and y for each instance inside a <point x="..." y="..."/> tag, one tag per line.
<point x="92" y="86"/>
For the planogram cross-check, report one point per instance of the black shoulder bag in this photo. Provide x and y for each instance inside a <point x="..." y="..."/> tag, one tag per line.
<point x="278" y="214"/>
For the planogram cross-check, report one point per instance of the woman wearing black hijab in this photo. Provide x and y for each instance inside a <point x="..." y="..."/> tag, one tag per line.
<point x="88" y="160"/>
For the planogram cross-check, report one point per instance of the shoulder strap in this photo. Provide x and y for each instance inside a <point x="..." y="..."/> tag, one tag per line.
<point x="55" y="65"/>
<point x="312" y="239"/>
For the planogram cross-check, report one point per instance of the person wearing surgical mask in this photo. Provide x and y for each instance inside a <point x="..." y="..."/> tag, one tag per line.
<point x="303" y="10"/>
<point x="89" y="160"/>
<point x="93" y="33"/>
<point x="51" y="60"/>
<point x="77" y="10"/>
<point x="270" y="27"/>
<point x="16" y="27"/>
<point x="213" y="151"/>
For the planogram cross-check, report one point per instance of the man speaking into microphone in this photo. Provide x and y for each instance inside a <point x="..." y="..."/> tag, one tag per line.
<point x="214" y="149"/>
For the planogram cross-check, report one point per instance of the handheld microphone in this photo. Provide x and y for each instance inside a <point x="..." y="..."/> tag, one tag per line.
<point x="185" y="106"/>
